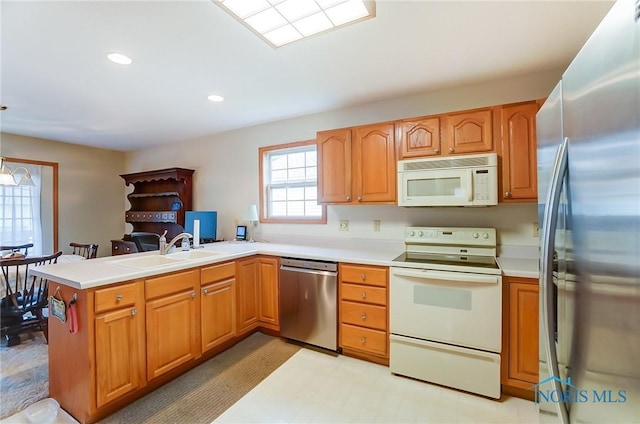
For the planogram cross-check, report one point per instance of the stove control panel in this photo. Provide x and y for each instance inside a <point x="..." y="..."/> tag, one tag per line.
<point x="450" y="235"/>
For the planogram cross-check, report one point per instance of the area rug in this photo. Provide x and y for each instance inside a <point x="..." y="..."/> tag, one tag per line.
<point x="203" y="393"/>
<point x="24" y="373"/>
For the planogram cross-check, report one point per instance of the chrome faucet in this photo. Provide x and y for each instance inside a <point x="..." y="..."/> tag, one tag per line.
<point x="164" y="247"/>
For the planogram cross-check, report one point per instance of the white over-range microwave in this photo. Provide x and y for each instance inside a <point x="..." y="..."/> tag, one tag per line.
<point x="465" y="180"/>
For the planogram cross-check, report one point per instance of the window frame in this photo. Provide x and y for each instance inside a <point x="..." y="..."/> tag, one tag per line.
<point x="262" y="153"/>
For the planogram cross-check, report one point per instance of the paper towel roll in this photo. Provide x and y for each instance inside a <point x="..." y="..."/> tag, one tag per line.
<point x="196" y="232"/>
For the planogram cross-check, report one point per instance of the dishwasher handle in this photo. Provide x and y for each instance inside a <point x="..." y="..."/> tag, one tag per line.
<point x="308" y="271"/>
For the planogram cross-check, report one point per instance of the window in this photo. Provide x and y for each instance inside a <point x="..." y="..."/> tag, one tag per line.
<point x="20" y="212"/>
<point x="289" y="184"/>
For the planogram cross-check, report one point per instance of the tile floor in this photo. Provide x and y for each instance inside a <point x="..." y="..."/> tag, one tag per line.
<point x="315" y="387"/>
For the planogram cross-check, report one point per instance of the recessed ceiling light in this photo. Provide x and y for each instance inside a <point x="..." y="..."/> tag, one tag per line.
<point x="119" y="59"/>
<point x="280" y="22"/>
<point x="215" y="98"/>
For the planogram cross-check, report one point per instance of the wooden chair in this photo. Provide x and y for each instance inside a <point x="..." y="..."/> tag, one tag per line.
<point x="89" y="251"/>
<point x="26" y="296"/>
<point x="22" y="248"/>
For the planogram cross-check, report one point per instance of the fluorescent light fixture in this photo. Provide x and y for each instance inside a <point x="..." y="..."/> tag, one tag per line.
<point x="280" y="22"/>
<point x="120" y="59"/>
<point x="215" y="98"/>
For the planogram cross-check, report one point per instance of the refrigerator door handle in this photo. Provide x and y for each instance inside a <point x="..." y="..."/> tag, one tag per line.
<point x="549" y="222"/>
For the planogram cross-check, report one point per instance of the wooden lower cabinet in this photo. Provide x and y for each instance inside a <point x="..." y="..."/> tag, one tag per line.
<point x="364" y="323"/>
<point x="173" y="324"/>
<point x="268" y="270"/>
<point x="119" y="341"/>
<point x="218" y="304"/>
<point x="247" y="293"/>
<point x="520" y="336"/>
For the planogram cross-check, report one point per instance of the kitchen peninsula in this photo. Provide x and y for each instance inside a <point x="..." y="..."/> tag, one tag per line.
<point x="145" y="319"/>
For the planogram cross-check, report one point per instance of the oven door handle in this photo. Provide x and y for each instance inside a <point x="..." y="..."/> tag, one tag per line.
<point x="460" y="277"/>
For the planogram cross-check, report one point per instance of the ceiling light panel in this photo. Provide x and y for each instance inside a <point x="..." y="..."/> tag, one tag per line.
<point x="280" y="22"/>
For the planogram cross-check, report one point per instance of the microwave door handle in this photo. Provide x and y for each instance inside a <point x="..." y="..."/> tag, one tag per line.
<point x="469" y="185"/>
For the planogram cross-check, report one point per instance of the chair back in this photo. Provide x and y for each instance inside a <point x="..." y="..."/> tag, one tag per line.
<point x="22" y="290"/>
<point x="21" y="248"/>
<point x="89" y="251"/>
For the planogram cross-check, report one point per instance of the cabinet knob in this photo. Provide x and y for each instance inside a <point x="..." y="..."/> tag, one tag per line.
<point x="359" y="198"/>
<point x="363" y="340"/>
<point x="134" y="312"/>
<point x="452" y="149"/>
<point x="363" y="316"/>
<point x="119" y="298"/>
<point x="363" y="277"/>
<point x="363" y="295"/>
<point x="205" y="291"/>
<point x="193" y="295"/>
<point x="348" y="198"/>
<point x="436" y="150"/>
<point x="507" y="194"/>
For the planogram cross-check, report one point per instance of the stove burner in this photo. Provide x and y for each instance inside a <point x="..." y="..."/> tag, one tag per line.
<point x="448" y="259"/>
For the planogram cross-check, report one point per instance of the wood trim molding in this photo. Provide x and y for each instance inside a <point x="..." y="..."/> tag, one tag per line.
<point x="54" y="165"/>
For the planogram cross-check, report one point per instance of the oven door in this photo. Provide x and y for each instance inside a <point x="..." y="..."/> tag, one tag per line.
<point x="456" y="308"/>
<point x="451" y="187"/>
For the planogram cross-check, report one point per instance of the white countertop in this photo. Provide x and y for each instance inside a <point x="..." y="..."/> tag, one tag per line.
<point x="101" y="271"/>
<point x="519" y="261"/>
<point x="107" y="270"/>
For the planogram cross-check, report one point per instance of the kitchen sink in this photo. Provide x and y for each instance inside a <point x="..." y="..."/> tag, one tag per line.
<point x="194" y="254"/>
<point x="144" y="262"/>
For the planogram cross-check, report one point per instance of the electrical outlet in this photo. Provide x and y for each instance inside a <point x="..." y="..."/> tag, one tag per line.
<point x="344" y="225"/>
<point x="536" y="230"/>
<point x="376" y="225"/>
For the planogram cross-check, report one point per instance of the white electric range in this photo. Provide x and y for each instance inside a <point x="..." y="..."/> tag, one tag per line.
<point x="445" y="309"/>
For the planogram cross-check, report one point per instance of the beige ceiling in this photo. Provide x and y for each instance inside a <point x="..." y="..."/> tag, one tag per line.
<point x="57" y="83"/>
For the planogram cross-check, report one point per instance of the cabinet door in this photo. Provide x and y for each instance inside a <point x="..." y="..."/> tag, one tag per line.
<point x="247" y="299"/>
<point x="171" y="332"/>
<point x="334" y="166"/>
<point x="269" y="268"/>
<point x="374" y="164"/>
<point x="523" y="331"/>
<point x="469" y="132"/>
<point x="119" y="341"/>
<point x="519" y="154"/>
<point x="218" y="313"/>
<point x="420" y="138"/>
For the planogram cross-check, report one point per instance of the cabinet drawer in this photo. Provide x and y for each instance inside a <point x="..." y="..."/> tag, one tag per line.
<point x="365" y="315"/>
<point x="365" y="339"/>
<point x="371" y="275"/>
<point x="115" y="297"/>
<point x="172" y="283"/>
<point x="217" y="273"/>
<point x="121" y="247"/>
<point x="360" y="293"/>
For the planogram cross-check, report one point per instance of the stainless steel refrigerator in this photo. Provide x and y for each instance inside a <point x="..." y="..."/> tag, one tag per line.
<point x="589" y="210"/>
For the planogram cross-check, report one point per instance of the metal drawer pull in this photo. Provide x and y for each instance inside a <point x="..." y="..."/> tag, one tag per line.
<point x="205" y="291"/>
<point x="363" y="295"/>
<point x="134" y="312"/>
<point x="193" y="295"/>
<point x="364" y="316"/>
<point x="119" y="298"/>
<point x="363" y="276"/>
<point x="363" y="340"/>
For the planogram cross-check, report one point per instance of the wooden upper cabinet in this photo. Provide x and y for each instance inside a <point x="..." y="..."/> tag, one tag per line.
<point x="420" y="137"/>
<point x="334" y="161"/>
<point x="357" y="165"/>
<point x="374" y="162"/>
<point x="518" y="151"/>
<point x="468" y="132"/>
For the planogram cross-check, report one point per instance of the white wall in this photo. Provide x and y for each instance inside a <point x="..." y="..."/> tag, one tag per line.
<point x="90" y="190"/>
<point x="226" y="177"/>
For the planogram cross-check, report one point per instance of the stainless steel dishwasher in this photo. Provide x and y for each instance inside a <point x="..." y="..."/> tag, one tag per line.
<point x="309" y="302"/>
